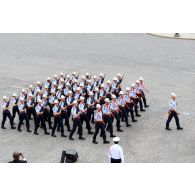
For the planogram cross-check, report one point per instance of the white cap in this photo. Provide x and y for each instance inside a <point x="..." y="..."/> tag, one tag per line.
<point x="74" y="102"/>
<point x="113" y="96"/>
<point x="67" y="84"/>
<point x="59" y="87"/>
<point x="30" y="95"/>
<point x="74" y="73"/>
<point x="81" y="85"/>
<point x="115" y="79"/>
<point x="101" y="74"/>
<point x="121" y="93"/>
<point x="108" y="81"/>
<point x="89" y="81"/>
<point x="119" y="75"/>
<point x="116" y="139"/>
<point x="62" y="80"/>
<point x="137" y="82"/>
<point x="55" y="76"/>
<point x="87" y="74"/>
<point x="38" y="82"/>
<point x="98" y="106"/>
<point x="141" y="78"/>
<point x="48" y="78"/>
<point x="132" y="85"/>
<point x="81" y="98"/>
<point x="127" y="88"/>
<point x="83" y="77"/>
<point x="95" y="77"/>
<point x="173" y="95"/>
<point x="90" y="93"/>
<point x="69" y="92"/>
<point x="102" y="85"/>
<point x="44" y="96"/>
<point x="46" y="87"/>
<point x="4" y="97"/>
<point x="30" y="86"/>
<point x="96" y="89"/>
<point x="23" y="90"/>
<point x="76" y="81"/>
<point x="61" y="74"/>
<point x="14" y="95"/>
<point x="68" y="76"/>
<point x="107" y="100"/>
<point x="52" y="91"/>
<point x="54" y="83"/>
<point x="21" y="99"/>
<point x="78" y="89"/>
<point x="55" y="102"/>
<point x="62" y="96"/>
<point x="39" y="101"/>
<point x="38" y="90"/>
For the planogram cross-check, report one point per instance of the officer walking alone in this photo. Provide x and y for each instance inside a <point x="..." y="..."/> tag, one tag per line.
<point x="115" y="153"/>
<point x="173" y="113"/>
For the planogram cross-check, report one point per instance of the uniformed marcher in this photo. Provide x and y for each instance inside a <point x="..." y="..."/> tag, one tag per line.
<point x="46" y="112"/>
<point x="142" y="89"/>
<point x="99" y="125"/>
<point x="57" y="119"/>
<point x="115" y="153"/>
<point x="31" y="108"/>
<point x="173" y="113"/>
<point x="23" y="115"/>
<point x="76" y="121"/>
<point x="40" y="118"/>
<point x="14" y="102"/>
<point x="6" y="113"/>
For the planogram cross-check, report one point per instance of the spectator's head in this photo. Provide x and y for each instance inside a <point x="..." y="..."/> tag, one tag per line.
<point x="116" y="140"/>
<point x="16" y="156"/>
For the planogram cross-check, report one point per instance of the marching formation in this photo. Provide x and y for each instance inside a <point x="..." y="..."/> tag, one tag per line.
<point x="87" y="100"/>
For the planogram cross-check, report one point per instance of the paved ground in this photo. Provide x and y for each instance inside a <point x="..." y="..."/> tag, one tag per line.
<point x="166" y="64"/>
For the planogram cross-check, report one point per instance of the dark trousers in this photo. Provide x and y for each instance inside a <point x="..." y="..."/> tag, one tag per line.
<point x="14" y="111"/>
<point x="117" y="117"/>
<point x="171" y="115"/>
<point x="108" y="122"/>
<point x="115" y="160"/>
<point x="144" y="98"/>
<point x="64" y="116"/>
<point x="85" y="118"/>
<point x="47" y="116"/>
<point x="140" y="102"/>
<point x="31" y="111"/>
<point x="135" y="101"/>
<point x="69" y="111"/>
<point x="90" y="114"/>
<point x="58" y="122"/>
<point x="77" y="123"/>
<point x="6" y="114"/>
<point x="40" y="119"/>
<point x="124" y="114"/>
<point x="99" y="126"/>
<point x="129" y="108"/>
<point x="23" y="116"/>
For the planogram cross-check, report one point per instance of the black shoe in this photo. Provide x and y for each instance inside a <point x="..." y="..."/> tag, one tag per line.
<point x="138" y="115"/>
<point x="81" y="138"/>
<point x="120" y="130"/>
<point x="13" y="127"/>
<point x="168" y="129"/>
<point x="106" y="142"/>
<point x="58" y="130"/>
<point x="128" y="125"/>
<point x="19" y="130"/>
<point x="95" y="142"/>
<point x="92" y="122"/>
<point x="69" y="130"/>
<point x="36" y="133"/>
<point x="142" y="110"/>
<point x="47" y="133"/>
<point x="179" y="128"/>
<point x="29" y="131"/>
<point x="3" y="128"/>
<point x="50" y="127"/>
<point x="108" y="130"/>
<point x="146" y="106"/>
<point x="53" y="135"/>
<point x="90" y="132"/>
<point x="63" y="135"/>
<point x="112" y="135"/>
<point x="70" y="138"/>
<point x="134" y="120"/>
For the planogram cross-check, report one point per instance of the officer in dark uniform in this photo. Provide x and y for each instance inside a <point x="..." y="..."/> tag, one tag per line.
<point x="31" y="108"/>
<point x="46" y="112"/>
<point x="14" y="102"/>
<point x="23" y="115"/>
<point x="6" y="113"/>
<point x="39" y="117"/>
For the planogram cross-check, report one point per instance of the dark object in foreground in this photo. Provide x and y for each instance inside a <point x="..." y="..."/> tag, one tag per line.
<point x="69" y="156"/>
<point x="18" y="158"/>
<point x="176" y="35"/>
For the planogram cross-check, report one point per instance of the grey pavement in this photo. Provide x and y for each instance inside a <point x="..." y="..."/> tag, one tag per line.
<point x="167" y="65"/>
